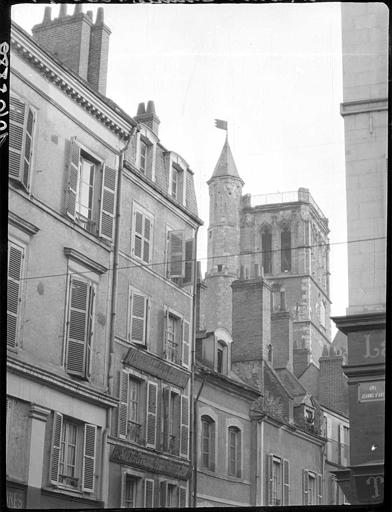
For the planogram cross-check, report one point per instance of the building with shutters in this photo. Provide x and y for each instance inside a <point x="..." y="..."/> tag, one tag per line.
<point x="102" y="228"/>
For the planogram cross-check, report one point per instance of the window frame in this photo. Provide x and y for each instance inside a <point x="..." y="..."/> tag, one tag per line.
<point x="147" y="137"/>
<point x="208" y="458"/>
<point x="235" y="471"/>
<point x="130" y="317"/>
<point x="137" y="209"/>
<point x="140" y="488"/>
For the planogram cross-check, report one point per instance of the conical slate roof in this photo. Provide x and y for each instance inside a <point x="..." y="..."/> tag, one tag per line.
<point x="225" y="165"/>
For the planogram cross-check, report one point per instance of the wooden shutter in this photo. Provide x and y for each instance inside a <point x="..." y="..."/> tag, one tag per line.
<point x="90" y="435"/>
<point x="163" y="493"/>
<point x="341" y="444"/>
<point x="165" y="328"/>
<point x="108" y="200"/>
<point x="148" y="493"/>
<point x="123" y="488"/>
<point x="188" y="277"/>
<point x="147" y="230"/>
<point x="305" y="487"/>
<point x="56" y="447"/>
<point x="139" y="305"/>
<point x="15" y="261"/>
<point x="182" y="497"/>
<point x="238" y="452"/>
<point x="211" y="431"/>
<point x="269" y="479"/>
<point x="138" y="234"/>
<point x="152" y="389"/>
<point x="22" y="119"/>
<point x="123" y="405"/>
<point x="28" y="148"/>
<point x="78" y="320"/>
<point x="176" y="261"/>
<point x="320" y="489"/>
<point x="329" y="437"/>
<point x="165" y="417"/>
<point x="90" y="328"/>
<point x="73" y="178"/>
<point x="286" y="482"/>
<point x="184" y="444"/>
<point x="185" y="343"/>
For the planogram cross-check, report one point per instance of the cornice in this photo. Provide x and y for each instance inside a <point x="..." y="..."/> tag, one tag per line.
<point x="362" y="373"/>
<point x="348" y="108"/>
<point x="360" y="322"/>
<point x="54" y="381"/>
<point x="226" y="382"/>
<point x="77" y="256"/>
<point x="22" y="224"/>
<point x="72" y="85"/>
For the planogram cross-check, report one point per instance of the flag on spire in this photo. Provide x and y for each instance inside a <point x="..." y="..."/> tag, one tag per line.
<point x="221" y="124"/>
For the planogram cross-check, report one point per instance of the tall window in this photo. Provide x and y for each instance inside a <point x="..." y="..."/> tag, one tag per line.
<point x="139" y="308"/>
<point x="278" y="479"/>
<point x="129" y="500"/>
<point x="208" y="443"/>
<point x="15" y="266"/>
<point x="234" y="451"/>
<point x="174" y="183"/>
<point x="266" y="245"/>
<point x="69" y="472"/>
<point x="276" y="482"/>
<point x="142" y="236"/>
<point x="173" y="338"/>
<point x="177" y="183"/>
<point x="312" y="488"/>
<point x="220" y="357"/>
<point x="180" y="257"/>
<point x="134" y="423"/>
<point x="285" y="251"/>
<point x="312" y="493"/>
<point x="143" y="156"/>
<point x="85" y="192"/>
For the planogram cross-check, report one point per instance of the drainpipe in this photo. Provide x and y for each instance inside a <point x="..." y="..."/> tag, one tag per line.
<point x="194" y="451"/>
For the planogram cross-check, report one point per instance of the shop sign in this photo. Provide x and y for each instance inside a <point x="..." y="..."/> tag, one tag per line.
<point x="371" y="391"/>
<point x="16" y="497"/>
<point x="370" y="488"/>
<point x="366" y="347"/>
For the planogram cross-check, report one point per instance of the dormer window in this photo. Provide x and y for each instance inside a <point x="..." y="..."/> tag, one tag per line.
<point x="143" y="157"/>
<point x="221" y="357"/>
<point x="146" y="152"/>
<point x="177" y="183"/>
<point x="309" y="416"/>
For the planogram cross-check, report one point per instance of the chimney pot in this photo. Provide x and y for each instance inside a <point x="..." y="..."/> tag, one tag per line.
<point x="325" y="352"/>
<point x="150" y="107"/>
<point x="63" y="11"/>
<point x="99" y="19"/>
<point x="78" y="10"/>
<point x="90" y="15"/>
<point x="141" y="109"/>
<point x="48" y="15"/>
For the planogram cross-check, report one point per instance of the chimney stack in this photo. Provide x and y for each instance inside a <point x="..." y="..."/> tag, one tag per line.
<point x="282" y="339"/>
<point x="148" y="116"/>
<point x="333" y="383"/>
<point x="77" y="42"/>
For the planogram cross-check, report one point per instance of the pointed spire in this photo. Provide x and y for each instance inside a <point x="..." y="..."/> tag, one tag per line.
<point x="225" y="165"/>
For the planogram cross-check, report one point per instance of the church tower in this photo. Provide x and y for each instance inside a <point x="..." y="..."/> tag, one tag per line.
<point x="225" y="187"/>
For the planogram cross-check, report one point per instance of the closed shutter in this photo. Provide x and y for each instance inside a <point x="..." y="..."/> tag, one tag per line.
<point x="320" y="489"/>
<point x="147" y="239"/>
<point x="269" y="479"/>
<point x="286" y="482"/>
<point x="90" y="330"/>
<point x="73" y="178"/>
<point x="90" y="435"/>
<point x="15" y="261"/>
<point x="182" y="497"/>
<point x="185" y="343"/>
<point x="163" y="494"/>
<point x="138" y="234"/>
<point x="22" y="119"/>
<point x="176" y="261"/>
<point x="151" y="414"/>
<point x="238" y="453"/>
<point x="184" y="446"/>
<point x="139" y="306"/>
<point x="211" y="431"/>
<point x="305" y="487"/>
<point x="56" y="447"/>
<point x="78" y="326"/>
<point x="148" y="493"/>
<point x="188" y="278"/>
<point x="165" y="331"/>
<point x="165" y="417"/>
<point x="108" y="200"/>
<point x="123" y="405"/>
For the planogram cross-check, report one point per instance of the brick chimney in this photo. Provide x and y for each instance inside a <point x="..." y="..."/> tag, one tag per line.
<point x="282" y="339"/>
<point x="77" y="42"/>
<point x="333" y="387"/>
<point x="301" y="360"/>
<point x="148" y="116"/>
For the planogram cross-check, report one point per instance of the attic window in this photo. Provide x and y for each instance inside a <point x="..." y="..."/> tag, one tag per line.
<point x="309" y="416"/>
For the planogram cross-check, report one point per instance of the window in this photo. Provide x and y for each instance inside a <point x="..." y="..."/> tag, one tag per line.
<point x="171" y="495"/>
<point x="134" y="413"/>
<point x="136" y="492"/>
<point x="143" y="157"/>
<point x="177" y="183"/>
<point x="175" y="422"/>
<point x="309" y="416"/>
<point x="208" y="443"/>
<point x="180" y="258"/>
<point x="138" y="322"/>
<point x="343" y="433"/>
<point x="130" y="491"/>
<point x="266" y="246"/>
<point x="73" y="454"/>
<point x="312" y="488"/>
<point x="221" y="357"/>
<point x="177" y="338"/>
<point x="278" y="484"/>
<point x="22" y="121"/>
<point x="234" y="451"/>
<point x="15" y="269"/>
<point x="79" y="330"/>
<point x="285" y="251"/>
<point x="142" y="236"/>
<point x="90" y="198"/>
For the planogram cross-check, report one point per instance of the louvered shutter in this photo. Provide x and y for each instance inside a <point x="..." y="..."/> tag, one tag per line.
<point x="165" y="417"/>
<point x="151" y="414"/>
<point x="269" y="479"/>
<point x="176" y="254"/>
<point x="22" y="119"/>
<point x="238" y="452"/>
<point x="123" y="405"/>
<point x="139" y="305"/>
<point x="305" y="487"/>
<point x="185" y="343"/>
<point x="138" y="234"/>
<point x="182" y="497"/>
<point x="286" y="482"/>
<point x="28" y="148"/>
<point x="73" y="178"/>
<point x="90" y="435"/>
<point x="165" y="330"/>
<point x="90" y="328"/>
<point x="211" y="430"/>
<point x="320" y="489"/>
<point x="78" y="319"/>
<point x="163" y="494"/>
<point x="15" y="261"/>
<point x="123" y="488"/>
<point x="148" y="493"/>
<point x="184" y="446"/>
<point x="108" y="200"/>
<point x="56" y="447"/>
<point x="147" y="237"/>
<point x="188" y="277"/>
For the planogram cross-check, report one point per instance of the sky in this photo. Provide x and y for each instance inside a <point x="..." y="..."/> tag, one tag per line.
<point x="274" y="72"/>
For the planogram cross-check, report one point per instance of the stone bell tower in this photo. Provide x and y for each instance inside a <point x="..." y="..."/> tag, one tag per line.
<point x="225" y="187"/>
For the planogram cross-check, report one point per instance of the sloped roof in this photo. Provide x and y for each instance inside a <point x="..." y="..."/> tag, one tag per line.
<point x="290" y="382"/>
<point x="226" y="165"/>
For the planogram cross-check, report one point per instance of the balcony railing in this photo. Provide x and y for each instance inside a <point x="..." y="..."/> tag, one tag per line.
<point x="134" y="432"/>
